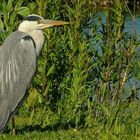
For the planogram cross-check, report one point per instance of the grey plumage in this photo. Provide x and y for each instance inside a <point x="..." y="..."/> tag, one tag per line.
<point x="16" y="73"/>
<point x="18" y="60"/>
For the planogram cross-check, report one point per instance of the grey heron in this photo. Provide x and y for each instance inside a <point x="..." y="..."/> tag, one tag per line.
<point x="18" y="60"/>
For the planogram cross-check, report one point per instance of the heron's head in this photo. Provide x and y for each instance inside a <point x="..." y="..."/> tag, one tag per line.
<point x="35" y="22"/>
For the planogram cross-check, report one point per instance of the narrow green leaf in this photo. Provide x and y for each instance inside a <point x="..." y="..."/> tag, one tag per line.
<point x="23" y="11"/>
<point x="51" y="69"/>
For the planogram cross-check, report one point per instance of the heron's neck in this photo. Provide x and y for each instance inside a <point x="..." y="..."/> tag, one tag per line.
<point x="38" y="37"/>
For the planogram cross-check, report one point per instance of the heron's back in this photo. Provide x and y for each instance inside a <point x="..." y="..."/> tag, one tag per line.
<point x="17" y="68"/>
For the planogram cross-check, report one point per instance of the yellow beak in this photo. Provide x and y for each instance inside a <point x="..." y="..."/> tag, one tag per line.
<point x="49" y="23"/>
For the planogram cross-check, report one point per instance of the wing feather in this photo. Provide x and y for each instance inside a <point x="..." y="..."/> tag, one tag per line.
<point x="17" y="68"/>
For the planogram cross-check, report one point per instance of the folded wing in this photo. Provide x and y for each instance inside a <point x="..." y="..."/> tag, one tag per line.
<point x="17" y="68"/>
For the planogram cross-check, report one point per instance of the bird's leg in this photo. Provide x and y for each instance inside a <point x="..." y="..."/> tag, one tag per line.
<point x="13" y="126"/>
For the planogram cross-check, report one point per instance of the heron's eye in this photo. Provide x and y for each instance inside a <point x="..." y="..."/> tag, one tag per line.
<point x="40" y="21"/>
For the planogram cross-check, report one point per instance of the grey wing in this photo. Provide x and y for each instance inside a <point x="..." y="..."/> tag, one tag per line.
<point x="17" y="68"/>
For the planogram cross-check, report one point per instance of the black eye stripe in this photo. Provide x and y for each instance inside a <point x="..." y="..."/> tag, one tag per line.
<point x="27" y="37"/>
<point x="33" y="18"/>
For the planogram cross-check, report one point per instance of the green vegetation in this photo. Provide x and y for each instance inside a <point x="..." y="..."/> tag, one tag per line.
<point x="87" y="75"/>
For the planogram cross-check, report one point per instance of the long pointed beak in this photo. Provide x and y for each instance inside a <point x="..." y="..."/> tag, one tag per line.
<point x="49" y="23"/>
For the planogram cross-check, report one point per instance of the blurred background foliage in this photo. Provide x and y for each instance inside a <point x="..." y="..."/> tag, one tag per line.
<point x="84" y="71"/>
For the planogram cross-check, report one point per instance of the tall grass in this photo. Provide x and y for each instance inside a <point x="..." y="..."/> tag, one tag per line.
<point x="84" y="70"/>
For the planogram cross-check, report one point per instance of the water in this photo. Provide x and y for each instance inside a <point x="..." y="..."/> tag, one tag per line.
<point x="131" y="27"/>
